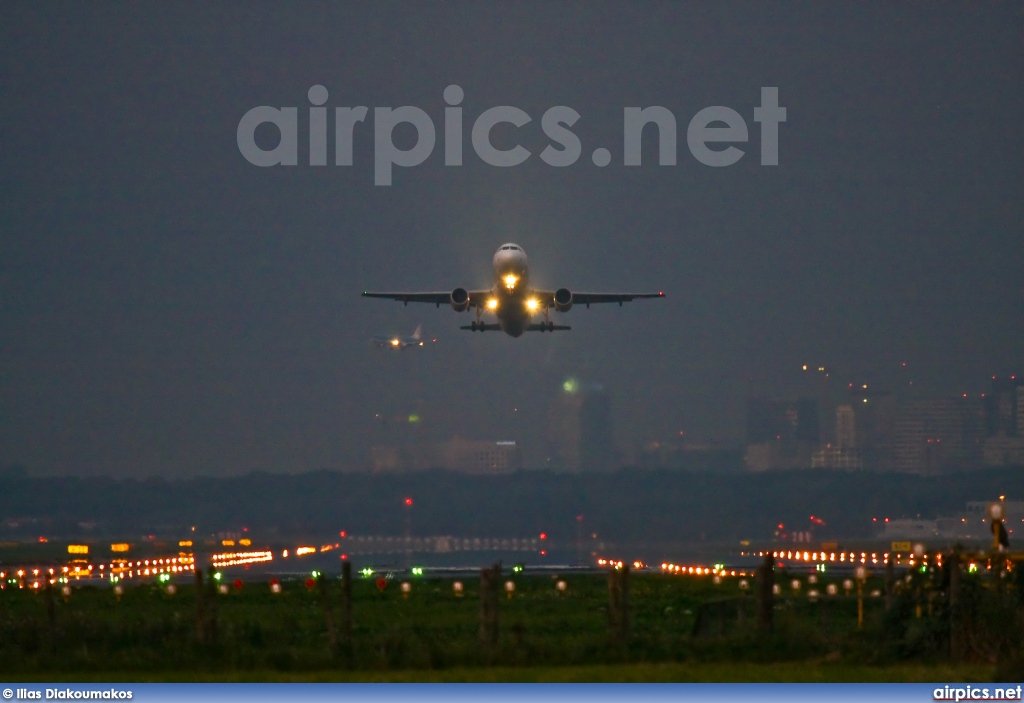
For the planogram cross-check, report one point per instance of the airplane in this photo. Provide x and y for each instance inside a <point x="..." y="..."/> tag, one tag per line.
<point x="400" y="343"/>
<point x="512" y="301"/>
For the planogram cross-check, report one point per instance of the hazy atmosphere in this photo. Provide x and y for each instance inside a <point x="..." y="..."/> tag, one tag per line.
<point x="168" y="308"/>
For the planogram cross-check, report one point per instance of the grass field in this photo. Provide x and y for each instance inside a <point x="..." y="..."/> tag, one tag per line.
<point x="431" y="635"/>
<point x="675" y="672"/>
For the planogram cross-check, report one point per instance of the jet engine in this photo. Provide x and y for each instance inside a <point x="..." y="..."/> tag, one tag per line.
<point x="459" y="300"/>
<point x="563" y="300"/>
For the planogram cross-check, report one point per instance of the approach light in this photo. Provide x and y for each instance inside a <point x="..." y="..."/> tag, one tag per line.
<point x="492" y="304"/>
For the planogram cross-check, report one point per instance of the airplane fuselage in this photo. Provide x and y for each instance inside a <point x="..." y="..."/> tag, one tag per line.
<point x="511" y="291"/>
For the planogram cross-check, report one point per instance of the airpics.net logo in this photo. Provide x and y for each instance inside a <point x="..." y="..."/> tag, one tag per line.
<point x="718" y="125"/>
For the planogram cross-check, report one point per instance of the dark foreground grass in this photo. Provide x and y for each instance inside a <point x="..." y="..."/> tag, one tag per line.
<point x="788" y="672"/>
<point x="431" y="635"/>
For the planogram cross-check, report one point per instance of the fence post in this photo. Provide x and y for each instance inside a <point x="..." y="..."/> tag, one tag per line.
<point x="211" y="607"/>
<point x="200" y="605"/>
<point x="325" y="603"/>
<point x="346" y="602"/>
<point x="955" y="629"/>
<point x="765" y="596"/>
<point x="51" y="609"/>
<point x="618" y="604"/>
<point x="613" y="603"/>
<point x="489" y="580"/>
<point x="890" y="582"/>
<point x="624" y="602"/>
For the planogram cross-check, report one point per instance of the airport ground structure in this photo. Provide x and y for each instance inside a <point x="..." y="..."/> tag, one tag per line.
<point x="662" y="508"/>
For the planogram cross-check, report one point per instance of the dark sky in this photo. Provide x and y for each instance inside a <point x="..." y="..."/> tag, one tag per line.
<point x="168" y="308"/>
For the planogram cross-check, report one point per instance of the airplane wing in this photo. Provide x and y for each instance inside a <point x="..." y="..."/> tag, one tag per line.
<point x="536" y="327"/>
<point x="589" y="299"/>
<point x="476" y="297"/>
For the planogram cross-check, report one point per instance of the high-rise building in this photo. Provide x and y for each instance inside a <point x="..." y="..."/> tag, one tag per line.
<point x="937" y="435"/>
<point x="462" y="455"/>
<point x="1002" y="416"/>
<point x="581" y="426"/>
<point x="1020" y="415"/>
<point x="843" y="454"/>
<point x="846" y="427"/>
<point x="874" y="413"/>
<point x="771" y="419"/>
<point x="1004" y="423"/>
<point x="781" y="433"/>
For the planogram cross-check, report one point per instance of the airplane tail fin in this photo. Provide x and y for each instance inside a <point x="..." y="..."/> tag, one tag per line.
<point x="416" y="335"/>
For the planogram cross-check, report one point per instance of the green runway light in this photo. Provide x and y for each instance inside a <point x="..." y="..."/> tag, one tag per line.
<point x="216" y="576"/>
<point x="571" y="385"/>
<point x="417" y="571"/>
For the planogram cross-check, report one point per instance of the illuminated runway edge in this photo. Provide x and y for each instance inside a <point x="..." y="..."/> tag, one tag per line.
<point x="564" y="693"/>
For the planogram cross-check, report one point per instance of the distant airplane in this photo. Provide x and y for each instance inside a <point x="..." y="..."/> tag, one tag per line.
<point x="416" y="340"/>
<point x="511" y="299"/>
